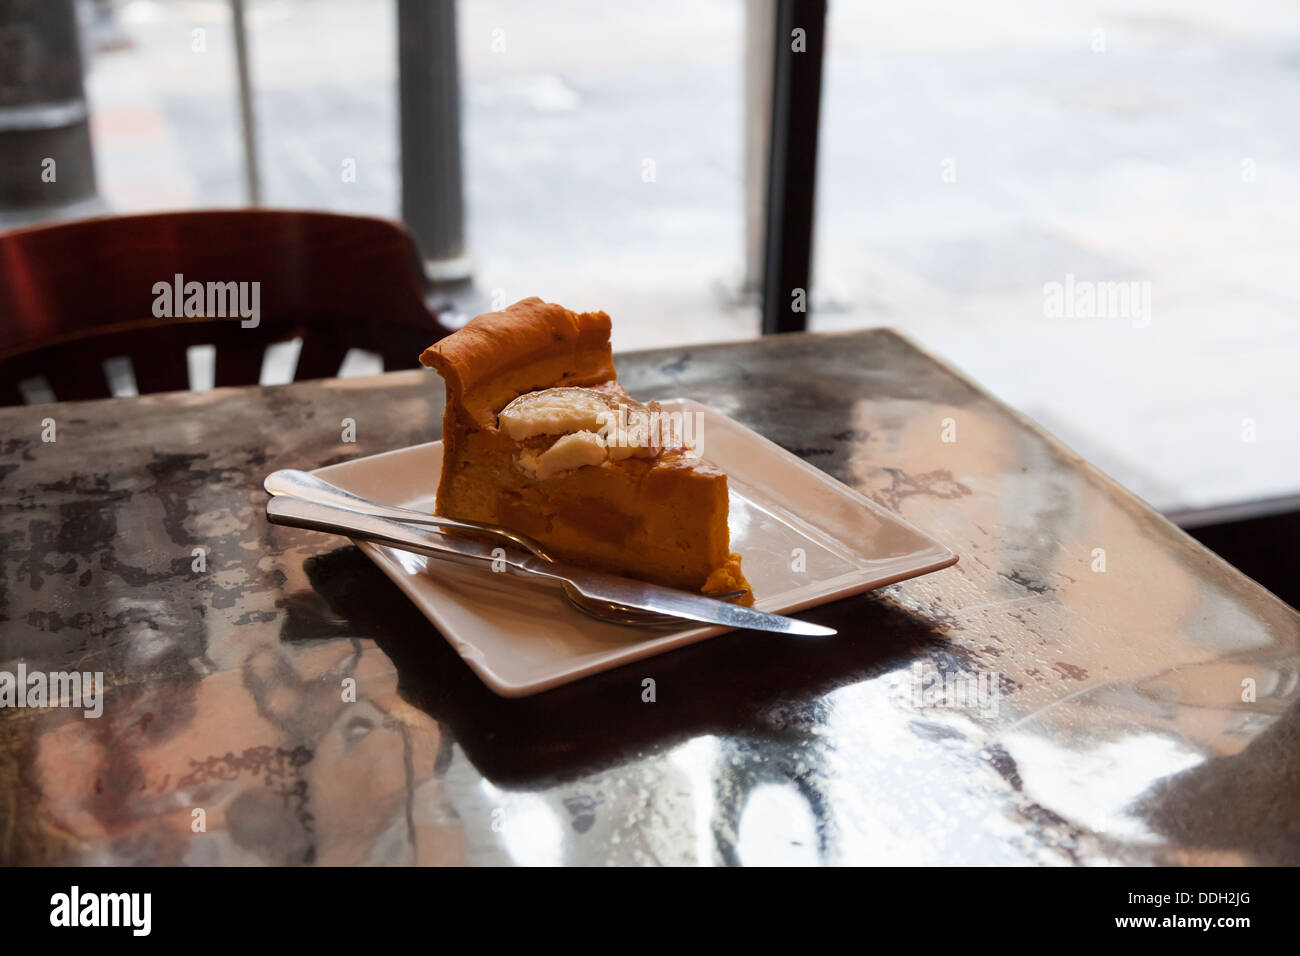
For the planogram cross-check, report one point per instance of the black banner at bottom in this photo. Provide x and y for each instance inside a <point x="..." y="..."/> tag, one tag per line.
<point x="338" y="906"/>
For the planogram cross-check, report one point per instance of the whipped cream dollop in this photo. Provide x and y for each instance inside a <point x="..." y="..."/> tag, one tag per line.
<point x="594" y="427"/>
<point x="556" y="411"/>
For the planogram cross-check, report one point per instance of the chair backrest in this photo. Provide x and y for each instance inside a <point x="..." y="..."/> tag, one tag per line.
<point x="74" y="295"/>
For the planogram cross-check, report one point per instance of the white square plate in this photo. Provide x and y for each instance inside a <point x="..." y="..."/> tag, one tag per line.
<point x="522" y="639"/>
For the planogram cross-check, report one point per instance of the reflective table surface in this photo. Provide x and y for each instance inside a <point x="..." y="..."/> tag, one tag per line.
<point x="1087" y="685"/>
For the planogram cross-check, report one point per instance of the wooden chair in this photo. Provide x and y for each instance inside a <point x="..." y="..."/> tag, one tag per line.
<point x="77" y="294"/>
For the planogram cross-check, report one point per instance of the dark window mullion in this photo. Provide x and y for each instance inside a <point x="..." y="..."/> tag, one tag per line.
<point x="792" y="166"/>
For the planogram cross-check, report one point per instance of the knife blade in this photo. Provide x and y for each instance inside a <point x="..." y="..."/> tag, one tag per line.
<point x="662" y="600"/>
<point x="599" y="585"/>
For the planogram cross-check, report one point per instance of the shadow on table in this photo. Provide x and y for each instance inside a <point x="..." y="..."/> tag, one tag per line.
<point x="746" y="684"/>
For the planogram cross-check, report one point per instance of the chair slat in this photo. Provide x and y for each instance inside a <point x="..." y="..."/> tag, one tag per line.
<point x="10" y="393"/>
<point x="321" y="355"/>
<point x="162" y="369"/>
<point x="239" y="354"/>
<point x="401" y="347"/>
<point x="75" y="375"/>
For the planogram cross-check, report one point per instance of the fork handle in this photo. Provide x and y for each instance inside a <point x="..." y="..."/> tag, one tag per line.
<point x="315" y="516"/>
<point x="308" y="487"/>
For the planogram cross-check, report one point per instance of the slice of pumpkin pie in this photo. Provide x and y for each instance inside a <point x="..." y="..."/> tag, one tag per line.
<point x="538" y="436"/>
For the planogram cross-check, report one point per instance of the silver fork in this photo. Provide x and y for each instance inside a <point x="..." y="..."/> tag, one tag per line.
<point x="308" y="487"/>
